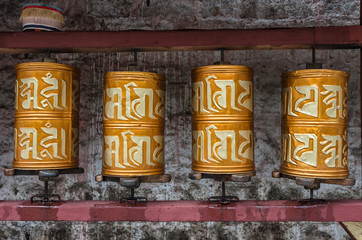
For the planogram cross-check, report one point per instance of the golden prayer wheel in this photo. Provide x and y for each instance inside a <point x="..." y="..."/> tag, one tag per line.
<point x="133" y="124"/>
<point x="222" y="119"/>
<point x="46" y="116"/>
<point x="314" y="124"/>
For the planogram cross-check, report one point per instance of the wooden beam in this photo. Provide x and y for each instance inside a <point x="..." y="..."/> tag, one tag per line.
<point x="353" y="229"/>
<point x="338" y="37"/>
<point x="176" y="40"/>
<point x="180" y="211"/>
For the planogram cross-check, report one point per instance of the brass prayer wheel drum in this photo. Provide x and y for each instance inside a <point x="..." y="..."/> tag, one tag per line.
<point x="222" y="119"/>
<point x="46" y="116"/>
<point x="314" y="124"/>
<point x="133" y="124"/>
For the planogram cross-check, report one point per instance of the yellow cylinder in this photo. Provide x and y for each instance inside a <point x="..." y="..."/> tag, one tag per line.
<point x="46" y="116"/>
<point x="314" y="124"/>
<point x="133" y="124"/>
<point x="222" y="119"/>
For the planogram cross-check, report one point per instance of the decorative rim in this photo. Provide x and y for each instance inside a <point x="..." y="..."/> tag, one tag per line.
<point x="223" y="68"/>
<point x="133" y="74"/>
<point x="32" y="26"/>
<point x="45" y="66"/>
<point x="317" y="173"/>
<point x="44" y="6"/>
<point x="314" y="73"/>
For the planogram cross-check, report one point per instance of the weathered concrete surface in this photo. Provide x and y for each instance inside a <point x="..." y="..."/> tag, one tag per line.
<point x="161" y="15"/>
<point x="171" y="231"/>
<point x="268" y="66"/>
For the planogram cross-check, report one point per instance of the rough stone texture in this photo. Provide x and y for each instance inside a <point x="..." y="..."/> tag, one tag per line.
<point x="171" y="231"/>
<point x="176" y="66"/>
<point x="189" y="14"/>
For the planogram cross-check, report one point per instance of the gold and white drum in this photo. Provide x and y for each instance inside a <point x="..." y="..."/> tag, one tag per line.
<point x="46" y="116"/>
<point x="222" y="119"/>
<point x="314" y="124"/>
<point x="133" y="121"/>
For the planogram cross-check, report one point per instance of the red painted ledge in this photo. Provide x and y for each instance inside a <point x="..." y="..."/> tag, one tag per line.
<point x="175" y="40"/>
<point x="183" y="211"/>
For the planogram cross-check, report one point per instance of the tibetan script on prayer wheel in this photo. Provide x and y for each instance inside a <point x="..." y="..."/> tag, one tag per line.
<point x="314" y="124"/>
<point x="133" y="120"/>
<point x="46" y="116"/>
<point x="222" y="119"/>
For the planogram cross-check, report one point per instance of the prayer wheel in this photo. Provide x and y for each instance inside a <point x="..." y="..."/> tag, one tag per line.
<point x="314" y="124"/>
<point x="222" y="119"/>
<point x="41" y="17"/>
<point x="133" y="124"/>
<point x="46" y="116"/>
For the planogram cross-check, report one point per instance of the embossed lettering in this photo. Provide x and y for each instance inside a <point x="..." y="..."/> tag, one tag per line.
<point x="136" y="153"/>
<point x="139" y="105"/>
<point x="219" y="98"/>
<point x="54" y="90"/>
<point x="198" y="146"/>
<point x="333" y="149"/>
<point x="221" y="145"/>
<point x="287" y="106"/>
<point x="221" y="148"/>
<point x="30" y="94"/>
<point x="246" y="147"/>
<point x="114" y="103"/>
<point x="307" y="157"/>
<point x="50" y="142"/>
<point x="158" y="152"/>
<point x="287" y="149"/>
<point x="334" y="97"/>
<point x="111" y="149"/>
<point x="160" y="106"/>
<point x="245" y="99"/>
<point x="198" y="98"/>
<point x="28" y="139"/>
<point x="309" y="103"/>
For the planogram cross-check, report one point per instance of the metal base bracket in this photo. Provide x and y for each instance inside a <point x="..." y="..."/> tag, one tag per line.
<point x="223" y="200"/>
<point x="45" y="176"/>
<point x="134" y="182"/>
<point x="233" y="177"/>
<point x="314" y="183"/>
<point x="45" y="199"/>
<point x="132" y="199"/>
<point x="51" y="172"/>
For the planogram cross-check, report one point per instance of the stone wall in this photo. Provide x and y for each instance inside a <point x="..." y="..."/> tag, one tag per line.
<point x="176" y="66"/>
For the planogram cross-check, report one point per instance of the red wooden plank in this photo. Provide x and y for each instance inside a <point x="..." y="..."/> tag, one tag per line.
<point x="157" y="40"/>
<point x="349" y="36"/>
<point x="166" y="211"/>
<point x="329" y="37"/>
